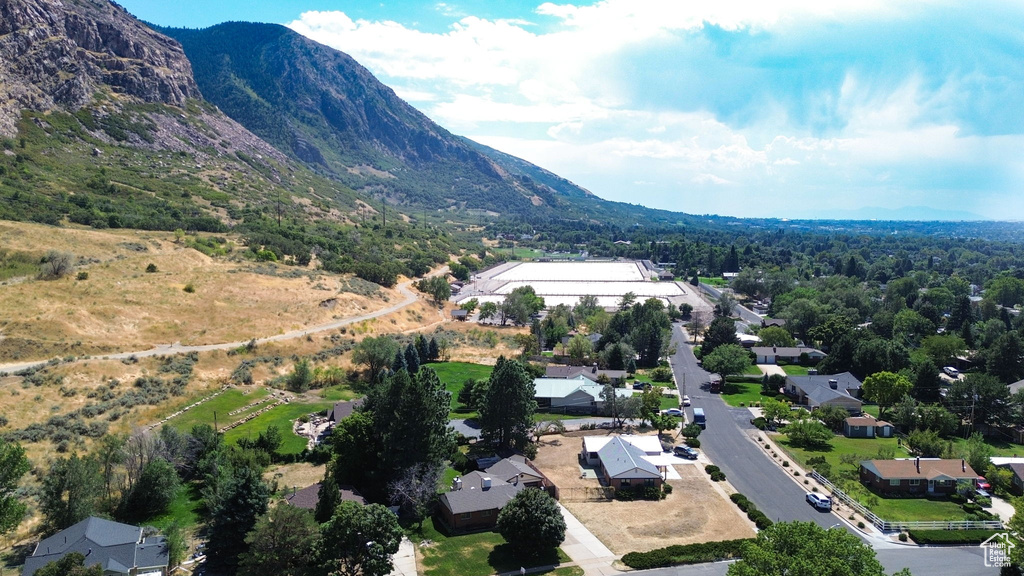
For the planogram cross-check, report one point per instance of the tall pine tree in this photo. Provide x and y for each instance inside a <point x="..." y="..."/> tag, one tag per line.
<point x="506" y="416"/>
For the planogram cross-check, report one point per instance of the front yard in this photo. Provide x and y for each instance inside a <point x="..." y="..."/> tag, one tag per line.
<point x="479" y="554"/>
<point x="846" y="477"/>
<point x="695" y="511"/>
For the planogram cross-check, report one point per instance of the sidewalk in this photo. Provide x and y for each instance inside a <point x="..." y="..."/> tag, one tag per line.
<point x="405" y="559"/>
<point x="584" y="549"/>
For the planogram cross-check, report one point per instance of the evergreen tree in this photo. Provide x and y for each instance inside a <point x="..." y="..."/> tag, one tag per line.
<point x="244" y="499"/>
<point x="412" y="359"/>
<point x="435" y="352"/>
<point x="506" y="416"/>
<point x="399" y="364"/>
<point x="328" y="498"/>
<point x="422" y="348"/>
<point x="722" y="330"/>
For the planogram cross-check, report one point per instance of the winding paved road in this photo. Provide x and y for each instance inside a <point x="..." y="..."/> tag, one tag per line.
<point x="177" y="348"/>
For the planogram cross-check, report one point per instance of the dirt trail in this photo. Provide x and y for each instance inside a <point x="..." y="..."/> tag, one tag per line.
<point x="178" y="348"/>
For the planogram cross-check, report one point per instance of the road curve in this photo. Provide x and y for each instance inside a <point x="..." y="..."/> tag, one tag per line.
<point x="177" y="348"/>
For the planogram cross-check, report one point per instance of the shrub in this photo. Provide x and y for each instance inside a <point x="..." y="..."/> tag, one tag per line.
<point x="189" y="288"/>
<point x="718" y="476"/>
<point x="83" y="276"/>
<point x="903" y="536"/>
<point x="698" y="553"/>
<point x="693" y="442"/>
<point x="983" y="502"/>
<point x="951" y="536"/>
<point x="151" y="268"/>
<point x="957" y="498"/>
<point x="860" y="525"/>
<point x="760" y="423"/>
<point x="785" y="463"/>
<point x="711" y="468"/>
<point x="666" y="488"/>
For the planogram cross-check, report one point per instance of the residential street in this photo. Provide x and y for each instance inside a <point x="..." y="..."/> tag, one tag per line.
<point x="727" y="442"/>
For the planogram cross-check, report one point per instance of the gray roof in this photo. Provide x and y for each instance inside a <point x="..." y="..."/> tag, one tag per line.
<point x="1016" y="386"/>
<point x="620" y="457"/>
<point x="787" y="351"/>
<point x="472" y="497"/>
<point x="818" y="389"/>
<point x="591" y="372"/>
<point x="513" y="467"/>
<point x="342" y="410"/>
<point x="116" y="547"/>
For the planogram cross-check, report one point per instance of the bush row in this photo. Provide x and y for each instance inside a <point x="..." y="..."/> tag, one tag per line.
<point x="686" y="554"/>
<point x="755" y="515"/>
<point x="951" y="536"/>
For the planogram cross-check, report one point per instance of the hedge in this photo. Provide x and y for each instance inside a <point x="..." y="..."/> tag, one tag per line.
<point x="951" y="536"/>
<point x="755" y="515"/>
<point x="698" y="553"/>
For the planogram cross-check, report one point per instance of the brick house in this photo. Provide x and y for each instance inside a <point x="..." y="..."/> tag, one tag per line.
<point x="624" y="465"/>
<point x="916" y="476"/>
<point x="476" y="498"/>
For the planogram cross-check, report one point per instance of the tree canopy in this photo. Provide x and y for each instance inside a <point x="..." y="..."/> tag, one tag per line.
<point x="532" y="522"/>
<point x="506" y="416"/>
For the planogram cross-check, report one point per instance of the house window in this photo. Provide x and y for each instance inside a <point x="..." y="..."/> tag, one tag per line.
<point x="466" y="515"/>
<point x="624" y="482"/>
<point x="487" y="513"/>
<point x="894" y="482"/>
<point x="915" y="482"/>
<point x="649" y="482"/>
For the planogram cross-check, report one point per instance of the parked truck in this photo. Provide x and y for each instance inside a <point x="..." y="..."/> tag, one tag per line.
<point x="698" y="417"/>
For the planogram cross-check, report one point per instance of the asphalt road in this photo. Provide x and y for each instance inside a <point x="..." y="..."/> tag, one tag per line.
<point x="937" y="561"/>
<point x="727" y="442"/>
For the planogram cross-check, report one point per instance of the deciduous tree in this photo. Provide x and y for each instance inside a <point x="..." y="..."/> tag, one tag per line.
<point x="70" y="492"/>
<point x="375" y="353"/>
<point x="357" y="541"/>
<point x="280" y="543"/>
<point x="13" y="465"/>
<point x="886" y="388"/>
<point x="532" y="522"/>
<point x="726" y="360"/>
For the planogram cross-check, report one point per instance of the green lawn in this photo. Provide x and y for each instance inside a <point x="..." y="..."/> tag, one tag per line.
<point x="184" y="509"/>
<point x="669" y="402"/>
<point x="891" y="509"/>
<point x="225" y="402"/>
<point x="480" y="554"/>
<point x="454" y="374"/>
<point x="715" y="281"/>
<point x="999" y="447"/>
<point x="282" y="416"/>
<point x="339" y="393"/>
<point x="752" y="370"/>
<point x="794" y="370"/>
<point x="548" y="416"/>
<point x="746" y="392"/>
<point x="870" y="409"/>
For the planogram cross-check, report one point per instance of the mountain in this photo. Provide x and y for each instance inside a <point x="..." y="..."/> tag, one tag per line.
<point x="321" y="107"/>
<point x="102" y="123"/>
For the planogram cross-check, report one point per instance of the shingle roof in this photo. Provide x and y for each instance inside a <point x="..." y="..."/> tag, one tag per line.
<point x="865" y="421"/>
<point x="114" y="546"/>
<point x="622" y="459"/>
<point x="342" y="410"/>
<point x="472" y="497"/>
<point x="513" y="467"/>
<point x="818" y="389"/>
<point x="649" y="445"/>
<point x="930" y="469"/>
<point x="590" y="372"/>
<point x="784" y="350"/>
<point x="1016" y="467"/>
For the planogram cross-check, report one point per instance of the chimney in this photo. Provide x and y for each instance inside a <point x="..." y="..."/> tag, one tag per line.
<point x="917" y="462"/>
<point x="963" y="465"/>
<point x="485" y="482"/>
<point x="457" y="483"/>
<point x="774" y="349"/>
<point x="833" y="383"/>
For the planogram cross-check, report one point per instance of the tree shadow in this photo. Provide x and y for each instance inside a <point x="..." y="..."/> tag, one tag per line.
<point x="505" y="558"/>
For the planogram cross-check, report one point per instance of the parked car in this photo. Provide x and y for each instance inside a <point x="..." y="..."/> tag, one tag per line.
<point x="674" y="412"/>
<point x="686" y="400"/>
<point x="982" y="484"/>
<point x="951" y="371"/>
<point x="819" y="501"/>
<point x="981" y="493"/>
<point x="685" y="452"/>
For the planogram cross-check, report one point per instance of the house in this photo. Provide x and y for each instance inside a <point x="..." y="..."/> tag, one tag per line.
<point x="822" y="390"/>
<point x="916" y="476"/>
<point x="623" y="465"/>
<point x="342" y="410"/>
<point x="766" y="322"/>
<point x="1016" y="466"/>
<point x="790" y="354"/>
<point x="118" y="548"/>
<point x="476" y="498"/>
<point x="591" y="372"/>
<point x="747" y="340"/>
<point x="460" y="314"/>
<point x="867" y="427"/>
<point x="309" y="496"/>
<point x="666" y="276"/>
<point x="579" y="395"/>
<point x="649" y="445"/>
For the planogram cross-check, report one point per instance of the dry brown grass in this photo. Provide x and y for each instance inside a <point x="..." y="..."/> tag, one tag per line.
<point x="297" y="475"/>
<point x="122" y="308"/>
<point x="696" y="511"/>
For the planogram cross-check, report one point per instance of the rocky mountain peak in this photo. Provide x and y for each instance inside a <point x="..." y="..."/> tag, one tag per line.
<point x="58" y="54"/>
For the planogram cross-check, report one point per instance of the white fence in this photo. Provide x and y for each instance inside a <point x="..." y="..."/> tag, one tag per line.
<point x="886" y="526"/>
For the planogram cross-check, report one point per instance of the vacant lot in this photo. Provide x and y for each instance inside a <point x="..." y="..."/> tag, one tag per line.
<point x="695" y="511"/>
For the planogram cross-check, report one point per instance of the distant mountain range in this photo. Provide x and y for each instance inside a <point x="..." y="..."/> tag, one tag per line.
<point x="904" y="214"/>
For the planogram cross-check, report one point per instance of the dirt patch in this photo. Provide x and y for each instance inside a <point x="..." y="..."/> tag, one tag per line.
<point x="696" y="511"/>
<point x="298" y="475"/>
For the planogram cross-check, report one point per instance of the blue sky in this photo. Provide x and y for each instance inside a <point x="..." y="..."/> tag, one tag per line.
<point x="787" y="108"/>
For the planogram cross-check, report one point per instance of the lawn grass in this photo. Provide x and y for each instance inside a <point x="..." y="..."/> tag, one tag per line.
<point x="669" y="402"/>
<point x="999" y="447"/>
<point x="870" y="409"/>
<point x="733" y="393"/>
<point x="446" y="478"/>
<point x="184" y="509"/>
<point x="479" y="554"/>
<point x="224" y="402"/>
<point x="713" y="281"/>
<point x="752" y="370"/>
<point x="281" y="416"/>
<point x="794" y="370"/>
<point x="549" y="416"/>
<point x="339" y="393"/>
<point x="890" y="509"/>
<point x="454" y="375"/>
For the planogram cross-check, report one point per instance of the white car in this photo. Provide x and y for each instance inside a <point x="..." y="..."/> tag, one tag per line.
<point x="818" y="501"/>
<point x="674" y="412"/>
<point x="686" y="400"/>
<point x="951" y="372"/>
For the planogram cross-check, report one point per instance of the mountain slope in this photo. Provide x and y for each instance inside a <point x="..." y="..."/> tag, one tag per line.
<point x="322" y="107"/>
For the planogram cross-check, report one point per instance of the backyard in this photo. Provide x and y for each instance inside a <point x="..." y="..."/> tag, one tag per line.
<point x="454" y="375"/>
